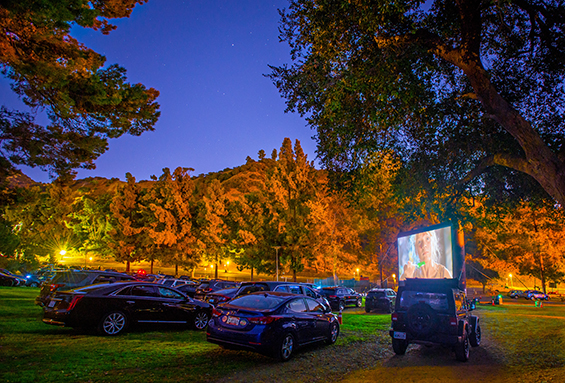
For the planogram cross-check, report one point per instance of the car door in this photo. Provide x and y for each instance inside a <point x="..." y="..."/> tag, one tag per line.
<point x="321" y="325"/>
<point x="303" y="321"/>
<point x="141" y="302"/>
<point x="345" y="295"/>
<point x="175" y="308"/>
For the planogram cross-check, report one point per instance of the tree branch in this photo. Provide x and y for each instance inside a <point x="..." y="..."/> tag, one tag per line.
<point x="512" y="162"/>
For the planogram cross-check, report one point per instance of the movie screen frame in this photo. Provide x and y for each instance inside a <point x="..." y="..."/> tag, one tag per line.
<point x="435" y="243"/>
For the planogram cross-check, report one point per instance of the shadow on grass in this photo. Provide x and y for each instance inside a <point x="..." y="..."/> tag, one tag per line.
<point x="418" y="355"/>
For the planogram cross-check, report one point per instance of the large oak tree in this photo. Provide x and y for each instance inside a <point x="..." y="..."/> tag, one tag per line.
<point x="470" y="92"/>
<point x="85" y="102"/>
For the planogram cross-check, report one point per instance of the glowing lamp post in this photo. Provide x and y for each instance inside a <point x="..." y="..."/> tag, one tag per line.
<point x="511" y="284"/>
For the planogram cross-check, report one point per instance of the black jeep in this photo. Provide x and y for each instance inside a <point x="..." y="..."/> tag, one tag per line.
<point x="434" y="312"/>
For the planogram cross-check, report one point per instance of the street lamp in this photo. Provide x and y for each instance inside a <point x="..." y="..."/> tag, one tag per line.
<point x="511" y="283"/>
<point x="277" y="259"/>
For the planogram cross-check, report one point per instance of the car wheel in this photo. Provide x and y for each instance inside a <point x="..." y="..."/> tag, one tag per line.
<point x="200" y="320"/>
<point x="367" y="309"/>
<point x="399" y="346"/>
<point x="476" y="336"/>
<point x="462" y="349"/>
<point x="341" y="306"/>
<point x="286" y="347"/>
<point x="334" y="332"/>
<point x="421" y="319"/>
<point x="359" y="302"/>
<point x="113" y="323"/>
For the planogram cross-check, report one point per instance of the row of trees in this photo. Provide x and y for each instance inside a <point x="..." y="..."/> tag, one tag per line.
<point x="177" y="219"/>
<point x="244" y="214"/>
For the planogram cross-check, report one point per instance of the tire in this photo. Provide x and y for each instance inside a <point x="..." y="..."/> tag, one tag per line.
<point x="341" y="306"/>
<point x="113" y="323"/>
<point x="475" y="338"/>
<point x="334" y="332"/>
<point x="285" y="348"/>
<point x="359" y="302"/>
<point x="462" y="349"/>
<point x="421" y="319"/>
<point x="200" y="320"/>
<point x="367" y="309"/>
<point x="399" y="346"/>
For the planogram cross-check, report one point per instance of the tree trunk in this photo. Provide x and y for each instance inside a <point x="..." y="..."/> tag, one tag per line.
<point x="251" y="273"/>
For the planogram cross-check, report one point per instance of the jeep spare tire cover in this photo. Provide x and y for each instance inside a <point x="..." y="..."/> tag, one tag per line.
<point x="421" y="319"/>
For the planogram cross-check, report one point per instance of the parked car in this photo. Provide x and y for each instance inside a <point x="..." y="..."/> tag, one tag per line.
<point x="188" y="289"/>
<point x="173" y="282"/>
<point x="272" y="323"/>
<point x="8" y="280"/>
<point x="18" y="279"/>
<point x="113" y="308"/>
<point x="211" y="286"/>
<point x="282" y="286"/>
<point x="380" y="299"/>
<point x="515" y="294"/>
<point x="220" y="296"/>
<point x="535" y="294"/>
<point x="340" y="297"/>
<point x="71" y="279"/>
<point x="429" y="312"/>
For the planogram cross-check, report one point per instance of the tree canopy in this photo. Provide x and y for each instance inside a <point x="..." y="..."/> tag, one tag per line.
<point x="85" y="103"/>
<point x="467" y="92"/>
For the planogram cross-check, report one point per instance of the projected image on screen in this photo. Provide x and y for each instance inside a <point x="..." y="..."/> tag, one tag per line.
<point x="426" y="254"/>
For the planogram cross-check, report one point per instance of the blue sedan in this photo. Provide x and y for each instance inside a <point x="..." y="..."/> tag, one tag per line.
<point x="272" y="323"/>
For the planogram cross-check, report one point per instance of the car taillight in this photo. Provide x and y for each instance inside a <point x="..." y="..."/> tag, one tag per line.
<point x="55" y="286"/>
<point x="453" y="322"/>
<point x="74" y="301"/>
<point x="332" y="296"/>
<point x="263" y="320"/>
<point x="394" y="317"/>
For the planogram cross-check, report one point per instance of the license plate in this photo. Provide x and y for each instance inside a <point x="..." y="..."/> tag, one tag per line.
<point x="399" y="335"/>
<point x="51" y="304"/>
<point x="234" y="321"/>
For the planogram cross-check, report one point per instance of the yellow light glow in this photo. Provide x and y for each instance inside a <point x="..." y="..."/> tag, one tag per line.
<point x="63" y="252"/>
<point x="510" y="275"/>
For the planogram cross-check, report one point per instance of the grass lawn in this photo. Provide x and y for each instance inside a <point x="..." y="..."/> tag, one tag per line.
<point x="517" y="337"/>
<point x="31" y="351"/>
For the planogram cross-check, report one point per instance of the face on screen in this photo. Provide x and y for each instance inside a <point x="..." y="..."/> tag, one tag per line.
<point x="426" y="254"/>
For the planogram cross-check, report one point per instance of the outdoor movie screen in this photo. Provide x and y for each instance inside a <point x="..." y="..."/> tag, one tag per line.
<point x="426" y="253"/>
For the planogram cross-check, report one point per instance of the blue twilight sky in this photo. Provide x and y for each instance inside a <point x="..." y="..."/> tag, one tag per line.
<point x="207" y="58"/>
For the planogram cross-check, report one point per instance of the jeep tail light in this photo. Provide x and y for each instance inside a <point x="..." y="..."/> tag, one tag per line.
<point x="332" y="296"/>
<point x="453" y="322"/>
<point x="394" y="317"/>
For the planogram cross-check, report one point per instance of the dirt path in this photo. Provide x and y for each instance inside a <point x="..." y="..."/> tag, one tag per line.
<point x="375" y="362"/>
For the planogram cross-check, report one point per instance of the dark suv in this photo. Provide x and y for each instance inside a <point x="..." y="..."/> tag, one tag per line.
<point x="434" y="312"/>
<point x="339" y="297"/>
<point x="71" y="279"/>
<point x="380" y="299"/>
<point x="211" y="286"/>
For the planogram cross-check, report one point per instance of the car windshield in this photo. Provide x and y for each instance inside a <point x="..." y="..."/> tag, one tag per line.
<point x="377" y="294"/>
<point x="438" y="301"/>
<point x="257" y="301"/>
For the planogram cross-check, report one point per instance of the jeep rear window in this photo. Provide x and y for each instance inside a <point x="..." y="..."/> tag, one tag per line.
<point x="437" y="301"/>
